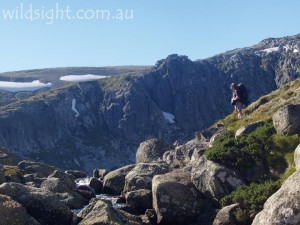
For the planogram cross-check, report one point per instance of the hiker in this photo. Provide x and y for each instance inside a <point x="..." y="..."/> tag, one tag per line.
<point x="236" y="101"/>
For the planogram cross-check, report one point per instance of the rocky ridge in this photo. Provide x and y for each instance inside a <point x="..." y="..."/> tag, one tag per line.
<point x="103" y="122"/>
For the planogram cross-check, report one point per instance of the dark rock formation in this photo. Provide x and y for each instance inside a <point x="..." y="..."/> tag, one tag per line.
<point x="6" y="157"/>
<point x="96" y="184"/>
<point x="76" y="173"/>
<point x="2" y="177"/>
<point x="170" y="101"/>
<point x="287" y="120"/>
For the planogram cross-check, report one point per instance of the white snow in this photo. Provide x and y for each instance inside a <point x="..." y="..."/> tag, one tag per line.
<point x="269" y="50"/>
<point x="81" y="78"/>
<point x="23" y="86"/>
<point x="169" y="117"/>
<point x="74" y="107"/>
<point x="296" y="50"/>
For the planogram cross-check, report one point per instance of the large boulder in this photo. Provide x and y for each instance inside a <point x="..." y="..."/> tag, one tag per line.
<point x="282" y="207"/>
<point x="40" y="169"/>
<point x="151" y="150"/>
<point x="96" y="184"/>
<point x="73" y="199"/>
<point x="297" y="157"/>
<point x="41" y="204"/>
<point x="13" y="212"/>
<point x="175" y="198"/>
<point x="7" y="158"/>
<point x="140" y="177"/>
<point x="287" y="119"/>
<point x="226" y="216"/>
<point x="76" y="173"/>
<point x="183" y="154"/>
<point x="249" y="128"/>
<point x="213" y="179"/>
<point x="64" y="177"/>
<point x="99" y="212"/>
<point x="114" y="181"/>
<point x="141" y="200"/>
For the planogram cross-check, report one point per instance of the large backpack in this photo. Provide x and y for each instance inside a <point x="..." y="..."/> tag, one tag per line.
<point x="242" y="93"/>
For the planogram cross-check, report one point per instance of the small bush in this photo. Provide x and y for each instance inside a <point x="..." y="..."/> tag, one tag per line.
<point x="244" y="152"/>
<point x="251" y="199"/>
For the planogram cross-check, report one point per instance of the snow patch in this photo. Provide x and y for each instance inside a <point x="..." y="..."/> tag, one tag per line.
<point x="74" y="107"/>
<point x="23" y="86"/>
<point x="296" y="50"/>
<point x="269" y="50"/>
<point x="169" y="117"/>
<point x="81" y="78"/>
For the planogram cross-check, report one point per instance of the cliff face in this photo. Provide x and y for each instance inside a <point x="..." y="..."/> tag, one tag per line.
<point x="101" y="123"/>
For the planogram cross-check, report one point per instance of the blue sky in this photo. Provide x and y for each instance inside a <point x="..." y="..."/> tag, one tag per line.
<point x="195" y="28"/>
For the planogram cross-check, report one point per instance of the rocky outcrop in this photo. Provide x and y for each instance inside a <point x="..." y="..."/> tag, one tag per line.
<point x="2" y="177"/>
<point x="100" y="212"/>
<point x="7" y="158"/>
<point x="183" y="154"/>
<point x="214" y="180"/>
<point x="96" y="184"/>
<point x="226" y="216"/>
<point x="42" y="205"/>
<point x="140" y="177"/>
<point x="297" y="158"/>
<point x="76" y="173"/>
<point x="39" y="169"/>
<point x="249" y="128"/>
<point x="141" y="200"/>
<point x="63" y="185"/>
<point x="283" y="206"/>
<point x="151" y="150"/>
<point x="287" y="119"/>
<point x="175" y="199"/>
<point x="117" y="113"/>
<point x="114" y="181"/>
<point x="13" y="212"/>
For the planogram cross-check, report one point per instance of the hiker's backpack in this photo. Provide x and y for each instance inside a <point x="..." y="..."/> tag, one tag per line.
<point x="242" y="93"/>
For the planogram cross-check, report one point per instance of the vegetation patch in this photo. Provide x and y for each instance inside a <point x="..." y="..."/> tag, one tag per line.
<point x="251" y="199"/>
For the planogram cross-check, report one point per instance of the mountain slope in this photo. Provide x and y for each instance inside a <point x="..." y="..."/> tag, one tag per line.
<point x="117" y="113"/>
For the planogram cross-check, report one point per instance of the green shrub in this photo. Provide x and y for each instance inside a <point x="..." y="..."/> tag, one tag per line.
<point x="251" y="199"/>
<point x="245" y="152"/>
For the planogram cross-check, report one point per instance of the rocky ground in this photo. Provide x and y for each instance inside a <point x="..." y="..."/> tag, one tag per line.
<point x="175" y="184"/>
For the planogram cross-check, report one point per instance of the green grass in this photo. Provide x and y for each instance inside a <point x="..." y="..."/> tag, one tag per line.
<point x="266" y="106"/>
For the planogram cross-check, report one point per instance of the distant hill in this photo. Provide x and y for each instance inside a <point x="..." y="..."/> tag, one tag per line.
<point x="53" y="74"/>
